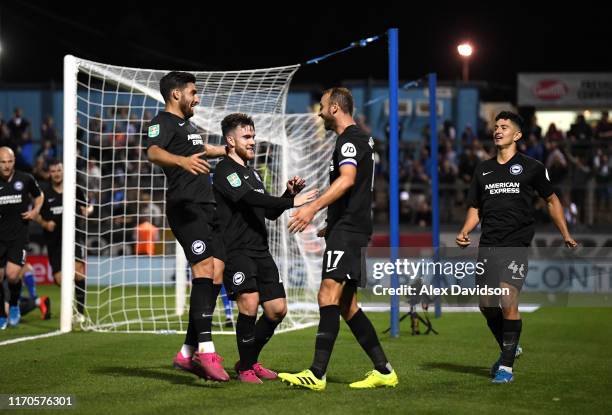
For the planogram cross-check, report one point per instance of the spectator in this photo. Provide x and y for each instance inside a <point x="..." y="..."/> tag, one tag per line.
<point x="535" y="148"/>
<point x="580" y="130"/>
<point x="479" y="150"/>
<point x="579" y="180"/>
<point x="467" y="165"/>
<point x="47" y="151"/>
<point x="4" y="133"/>
<point x="553" y="134"/>
<point x="447" y="178"/>
<point x="19" y="128"/>
<point x="150" y="210"/>
<point x="570" y="211"/>
<point x="556" y="164"/>
<point x="468" y="136"/>
<point x="146" y="235"/>
<point x="448" y="132"/>
<point x="534" y="128"/>
<point x="603" y="130"/>
<point x="601" y="167"/>
<point x="47" y="131"/>
<point x="39" y="171"/>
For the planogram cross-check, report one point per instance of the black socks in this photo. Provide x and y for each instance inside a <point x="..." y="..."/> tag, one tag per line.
<point x="329" y="325"/>
<point x="364" y="332"/>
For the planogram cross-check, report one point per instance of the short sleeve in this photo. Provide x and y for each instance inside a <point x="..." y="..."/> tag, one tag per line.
<point x="229" y="183"/>
<point x="473" y="196"/>
<point x="45" y="210"/>
<point x="541" y="181"/>
<point x="159" y="134"/>
<point x="350" y="150"/>
<point x="33" y="187"/>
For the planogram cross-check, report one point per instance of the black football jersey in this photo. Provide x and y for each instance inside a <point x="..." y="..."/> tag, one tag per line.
<point x="504" y="196"/>
<point x="53" y="209"/>
<point x="177" y="136"/>
<point x="243" y="225"/>
<point x="353" y="211"/>
<point x="16" y="196"/>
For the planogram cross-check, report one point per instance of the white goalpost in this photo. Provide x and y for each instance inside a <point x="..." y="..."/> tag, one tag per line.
<point x="106" y="111"/>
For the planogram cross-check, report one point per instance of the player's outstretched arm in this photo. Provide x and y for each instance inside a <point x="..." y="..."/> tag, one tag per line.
<point x="194" y="164"/>
<point x="299" y="200"/>
<point x="213" y="152"/>
<point x="555" y="209"/>
<point x="471" y="220"/>
<point x="303" y="216"/>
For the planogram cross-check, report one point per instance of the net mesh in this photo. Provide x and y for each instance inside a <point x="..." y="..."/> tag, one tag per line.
<point x="132" y="284"/>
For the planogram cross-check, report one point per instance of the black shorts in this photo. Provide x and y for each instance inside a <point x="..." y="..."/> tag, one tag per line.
<point x="13" y="251"/>
<point x="244" y="273"/>
<point x="195" y="229"/>
<point x="503" y="264"/>
<point x="54" y="252"/>
<point x="343" y="259"/>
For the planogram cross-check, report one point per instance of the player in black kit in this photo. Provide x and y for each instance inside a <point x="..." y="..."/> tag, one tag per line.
<point x="17" y="192"/>
<point x="50" y="219"/>
<point x="501" y="197"/>
<point x="174" y="144"/>
<point x="349" y="227"/>
<point x="251" y="276"/>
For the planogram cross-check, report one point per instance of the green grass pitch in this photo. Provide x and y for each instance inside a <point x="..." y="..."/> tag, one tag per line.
<point x="566" y="368"/>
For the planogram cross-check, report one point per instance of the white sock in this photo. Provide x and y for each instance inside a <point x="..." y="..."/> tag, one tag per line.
<point x="187" y="350"/>
<point x="206" y="347"/>
<point x="506" y="368"/>
<point x="37" y="301"/>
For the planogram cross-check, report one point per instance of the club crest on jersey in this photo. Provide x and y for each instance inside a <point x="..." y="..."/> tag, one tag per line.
<point x="153" y="131"/>
<point x="348" y="150"/>
<point x="238" y="278"/>
<point x="234" y="180"/>
<point x="198" y="247"/>
<point x="18" y="186"/>
<point x="516" y="169"/>
<point x="371" y="143"/>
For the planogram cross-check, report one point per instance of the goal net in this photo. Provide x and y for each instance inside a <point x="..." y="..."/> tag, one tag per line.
<point x="137" y="274"/>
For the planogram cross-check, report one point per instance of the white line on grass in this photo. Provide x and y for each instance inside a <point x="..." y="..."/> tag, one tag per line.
<point x="28" y="338"/>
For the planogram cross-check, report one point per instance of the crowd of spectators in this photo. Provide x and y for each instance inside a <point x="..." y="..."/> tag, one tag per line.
<point x="577" y="161"/>
<point x="127" y="190"/>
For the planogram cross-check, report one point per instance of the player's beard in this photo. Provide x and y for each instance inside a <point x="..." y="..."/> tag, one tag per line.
<point x="186" y="109"/>
<point x="244" y="154"/>
<point x="329" y="123"/>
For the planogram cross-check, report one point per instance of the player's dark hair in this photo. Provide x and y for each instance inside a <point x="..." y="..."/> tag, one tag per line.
<point x="173" y="80"/>
<point x="342" y="97"/>
<point x="235" y="120"/>
<point x="515" y="118"/>
<point x="53" y="162"/>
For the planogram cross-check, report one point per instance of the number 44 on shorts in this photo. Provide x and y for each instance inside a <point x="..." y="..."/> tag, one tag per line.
<point x="333" y="257"/>
<point x="515" y="268"/>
